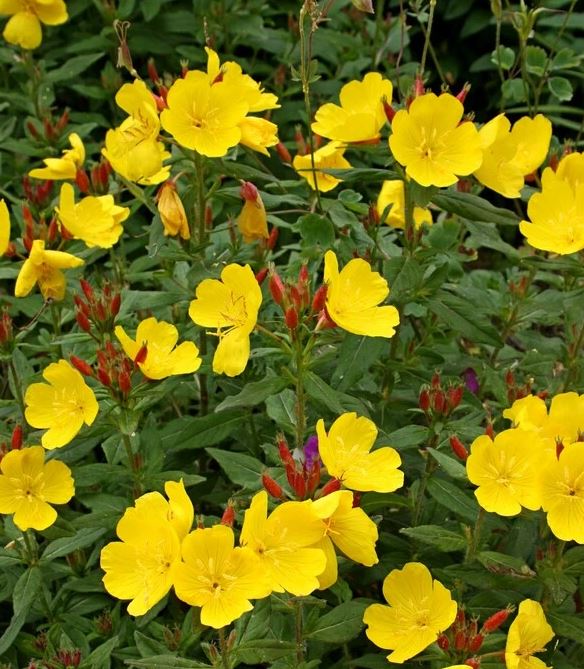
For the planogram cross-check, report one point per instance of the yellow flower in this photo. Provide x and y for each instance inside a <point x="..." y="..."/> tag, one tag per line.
<point x="360" y="116"/>
<point x="204" y="116"/>
<point x="230" y="305"/>
<point x="392" y="193"/>
<point x="282" y="541"/>
<point x="258" y="134"/>
<point x="562" y="493"/>
<point x="62" y="405"/>
<point x="252" y="220"/>
<point x="172" y="211"/>
<point x="328" y="157"/>
<point x="28" y="486"/>
<point x="63" y="168"/>
<point x="419" y="610"/>
<point x="24" y="26"/>
<point x="505" y="471"/>
<point x="528" y="634"/>
<point x="353" y="295"/>
<point x="4" y="227"/>
<point x="95" y="220"/>
<point x="510" y="154"/>
<point x="163" y="357"/>
<point x="141" y="567"/>
<point x="133" y="148"/>
<point x="556" y="215"/>
<point x="527" y="413"/>
<point x="432" y="143"/>
<point x="217" y="577"/>
<point x="346" y="453"/>
<point x="44" y="267"/>
<point x="346" y="527"/>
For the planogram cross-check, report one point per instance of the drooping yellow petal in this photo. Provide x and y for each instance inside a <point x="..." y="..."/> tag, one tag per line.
<point x="4" y="227"/>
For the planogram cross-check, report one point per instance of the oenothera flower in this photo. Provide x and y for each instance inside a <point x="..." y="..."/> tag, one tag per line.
<point x="505" y="471"/>
<point x="159" y="357"/>
<point x="432" y="143"/>
<point x="346" y="527"/>
<point x="258" y="134"/>
<point x="28" y="487"/>
<point x="24" y="26"/>
<point x="328" y="157"/>
<point x="420" y="608"/>
<point x="282" y="543"/>
<point x="562" y="492"/>
<point x="353" y="296"/>
<point x="204" y="116"/>
<point x="361" y="114"/>
<point x="556" y="215"/>
<point x="346" y="453"/>
<point x="141" y="567"/>
<point x="231" y="306"/>
<point x="4" y="227"/>
<point x="62" y="405"/>
<point x="65" y="167"/>
<point x="529" y="633"/>
<point x="252" y="220"/>
<point x="511" y="153"/>
<point x="44" y="267"/>
<point x="95" y="220"/>
<point x="133" y="148"/>
<point x="217" y="577"/>
<point x="172" y="212"/>
<point x="392" y="195"/>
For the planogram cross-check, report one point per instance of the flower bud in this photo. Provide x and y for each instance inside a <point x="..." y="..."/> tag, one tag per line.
<point x="388" y="109"/>
<point x="460" y="640"/>
<point x="424" y="400"/>
<point x="83" y="321"/>
<point x="82" y="181"/>
<point x="152" y="71"/>
<point x="475" y="643"/>
<point x="87" y="290"/>
<point x="248" y="191"/>
<point x="81" y="366"/>
<point x="252" y="220"/>
<point x="301" y="148"/>
<point x="319" y="299"/>
<point x="283" y="152"/>
<point x="285" y="455"/>
<point x="490" y="430"/>
<point x="332" y="486"/>
<point x="272" y="488"/>
<point x="104" y="377"/>
<point x="16" y="440"/>
<point x="438" y="402"/>
<point x="140" y="357"/>
<point x="261" y="275"/>
<point x="124" y="382"/>
<point x="172" y="212"/>
<point x="495" y="621"/>
<point x="458" y="448"/>
<point x="461" y="96"/>
<point x="228" y="516"/>
<point x="273" y="238"/>
<point x="291" y="318"/>
<point x="454" y="396"/>
<point x="435" y="382"/>
<point x="473" y="662"/>
<point x="443" y="642"/>
<point x="419" y="86"/>
<point x="276" y="288"/>
<point x="115" y="305"/>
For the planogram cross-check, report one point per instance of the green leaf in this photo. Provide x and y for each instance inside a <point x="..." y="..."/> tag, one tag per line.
<point x="340" y="625"/>
<point x="25" y="592"/>
<point x="254" y="393"/>
<point x="240" y="468"/>
<point x="567" y="625"/>
<point x="434" y="535"/>
<point x="100" y="658"/>
<point x="322" y="393"/>
<point x="451" y="497"/>
<point x="561" y="88"/>
<point x="190" y="433"/>
<point x="506" y="564"/>
<point x="66" y="545"/>
<point x="316" y="230"/>
<point x="474" y="208"/>
<point x="281" y="409"/>
<point x="167" y="662"/>
<point x="487" y="235"/>
<point x="566" y="59"/>
<point x="409" y="436"/>
<point x="150" y="8"/>
<point x="355" y="357"/>
<point x="535" y="60"/>
<point x="451" y="466"/>
<point x="513" y="90"/>
<point x="503" y="56"/>
<point x="262" y="651"/>
<point x="73" y="68"/>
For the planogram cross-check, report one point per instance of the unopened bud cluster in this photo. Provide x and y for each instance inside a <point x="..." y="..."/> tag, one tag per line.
<point x="438" y="402"/>
<point x="99" y="309"/>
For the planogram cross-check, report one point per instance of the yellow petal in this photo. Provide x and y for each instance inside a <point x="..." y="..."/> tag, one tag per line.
<point x="4" y="227"/>
<point x="24" y="29"/>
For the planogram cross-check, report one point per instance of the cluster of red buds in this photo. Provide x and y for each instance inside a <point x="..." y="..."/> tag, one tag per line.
<point x="99" y="308"/>
<point x="51" y="130"/>
<point x="38" y="229"/>
<point x="15" y="442"/>
<point x="65" y="659"/>
<point x="172" y="637"/>
<point x="98" y="180"/>
<point x="104" y="624"/>
<point x="303" y="476"/>
<point x="517" y="392"/>
<point x="295" y="299"/>
<point x="303" y="147"/>
<point x="37" y="191"/>
<point x="113" y="369"/>
<point x="437" y="402"/>
<point x="6" y="332"/>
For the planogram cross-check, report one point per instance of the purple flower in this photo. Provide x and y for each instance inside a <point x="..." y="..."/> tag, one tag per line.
<point x="471" y="381"/>
<point x="311" y="451"/>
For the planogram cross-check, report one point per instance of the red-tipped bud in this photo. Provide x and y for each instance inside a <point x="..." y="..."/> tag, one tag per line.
<point x="52" y="230"/>
<point x="319" y="299"/>
<point x="124" y="382"/>
<point x="298" y="484"/>
<point x="62" y="122"/>
<point x="48" y="128"/>
<point x="16" y="440"/>
<point x="152" y="72"/>
<point x="460" y="640"/>
<point x="228" y="516"/>
<point x="276" y="288"/>
<point x="283" y="152"/>
<point x="473" y="662"/>
<point x="443" y="642"/>
<point x="313" y="477"/>
<point x="495" y="621"/>
<point x="31" y="127"/>
<point x="554" y="161"/>
<point x="273" y="238"/>
<point x="388" y="109"/>
<point x="454" y="395"/>
<point x="104" y="377"/>
<point x="460" y="619"/>
<point x="248" y="191"/>
<point x="438" y="402"/>
<point x="509" y="378"/>
<point x="291" y="318"/>
<point x="324" y="321"/>
<point x="463" y="92"/>
<point x="285" y="455"/>
<point x="301" y="147"/>
<point x="332" y="486"/>
<point x="141" y="355"/>
<point x="115" y="305"/>
<point x="296" y="297"/>
<point x="303" y="275"/>
<point x="475" y="643"/>
<point x="83" y="321"/>
<point x="419" y="86"/>
<point x="261" y="275"/>
<point x="458" y="448"/>
<point x="81" y="365"/>
<point x="82" y="181"/>
<point x="424" y="400"/>
<point x="87" y="289"/>
<point x="435" y="382"/>
<point x="490" y="430"/>
<point x="272" y="488"/>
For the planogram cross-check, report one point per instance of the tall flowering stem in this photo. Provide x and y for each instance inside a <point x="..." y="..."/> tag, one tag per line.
<point x="200" y="205"/>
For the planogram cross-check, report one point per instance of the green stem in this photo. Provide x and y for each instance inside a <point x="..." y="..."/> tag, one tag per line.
<point x="299" y="631"/>
<point x="201" y="198"/>
<point x="138" y="194"/>
<point x="224" y="648"/>
<point x="300" y="396"/>
<point x="573" y="360"/>
<point x="499" y="21"/>
<point x="476" y="536"/>
<point x="133" y="464"/>
<point x="427" y="34"/>
<point x="17" y="386"/>
<point x="31" y="552"/>
<point x="419" y="503"/>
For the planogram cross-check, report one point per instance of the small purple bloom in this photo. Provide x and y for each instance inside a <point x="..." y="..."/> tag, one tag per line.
<point x="471" y="381"/>
<point x="311" y="451"/>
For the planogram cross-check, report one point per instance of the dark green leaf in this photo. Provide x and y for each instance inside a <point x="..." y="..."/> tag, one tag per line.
<point x="340" y="625"/>
<point x="254" y="393"/>
<point x="66" y="545"/>
<point x="434" y="535"/>
<point x="240" y="469"/>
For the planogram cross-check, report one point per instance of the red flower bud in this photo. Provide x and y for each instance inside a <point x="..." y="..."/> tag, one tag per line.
<point x="115" y="305"/>
<point x="475" y="643"/>
<point x="140" y="357"/>
<point x="443" y="642"/>
<point x="87" y="289"/>
<point x="463" y="92"/>
<point x="276" y="288"/>
<point x="104" y="377"/>
<point x="559" y="448"/>
<point x="261" y="275"/>
<point x="30" y="126"/>
<point x="473" y="662"/>
<point x="319" y="299"/>
<point x="248" y="191"/>
<point x="424" y="400"/>
<point x="495" y="621"/>
<point x="439" y="402"/>
<point x="458" y="448"/>
<point x="460" y="640"/>
<point x="356" y="499"/>
<point x="100" y="311"/>
<point x="291" y="318"/>
<point x="228" y="516"/>
<point x="435" y="382"/>
<point x="271" y="487"/>
<point x="419" y="86"/>
<point x="83" y="321"/>
<point x="285" y="455"/>
<point x="124" y="382"/>
<point x="490" y="431"/>
<point x="273" y="238"/>
<point x="332" y="486"/>
<point x="152" y="72"/>
<point x="52" y="230"/>
<point x="388" y="109"/>
<point x="454" y="395"/>
<point x="82" y="181"/>
<point x="16" y="440"/>
<point x="283" y="152"/>
<point x="296" y="297"/>
<point x="299" y="485"/>
<point x="301" y="147"/>
<point x="81" y="365"/>
<point x="509" y="378"/>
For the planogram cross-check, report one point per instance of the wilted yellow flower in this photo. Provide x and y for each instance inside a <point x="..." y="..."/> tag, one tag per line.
<point x="349" y="529"/>
<point x="62" y="405"/>
<point x="26" y="16"/>
<point x="65" y="167"/>
<point x="392" y="193"/>
<point x="28" y="486"/>
<point x="258" y="134"/>
<point x="328" y="157"/>
<point x="230" y="305"/>
<point x="432" y="143"/>
<point x="419" y="610"/>
<point x="353" y="296"/>
<point x="44" y="267"/>
<point x="282" y="541"/>
<point x="133" y="149"/>
<point x="346" y="453"/>
<point x="528" y="634"/>
<point x="95" y="220"/>
<point x="360" y="116"/>
<point x="141" y="567"/>
<point x="252" y="220"/>
<point x="172" y="211"/>
<point x="217" y="577"/>
<point x="163" y="357"/>
<point x="557" y="213"/>
<point x="4" y="227"/>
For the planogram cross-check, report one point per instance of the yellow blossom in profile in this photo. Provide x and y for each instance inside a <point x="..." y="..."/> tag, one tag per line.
<point x="348" y="528"/>
<point x="258" y="134"/>
<point x="527" y="413"/>
<point x="505" y="471"/>
<point x="162" y="357"/>
<point x="172" y="211"/>
<point x="353" y="296"/>
<point x="4" y="227"/>
<point x="282" y="541"/>
<point x="44" y="267"/>
<point x="65" y="167"/>
<point x="231" y="306"/>
<point x="556" y="214"/>
<point x="430" y="141"/>
<point x="141" y="567"/>
<point x="328" y="157"/>
<point x="252" y="221"/>
<point x="24" y="26"/>
<point x="392" y="193"/>
<point x="529" y="633"/>
<point x="217" y="577"/>
<point x="29" y="485"/>
<point x="420" y="608"/>
<point x="346" y="453"/>
<point x="95" y="220"/>
<point x="60" y="406"/>
<point x="361" y="114"/>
